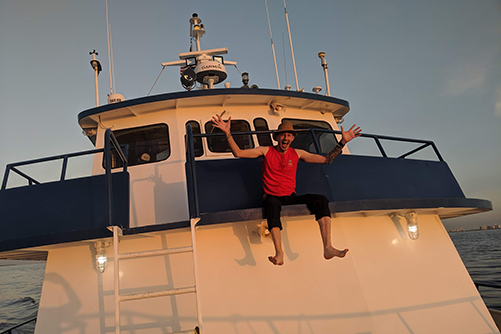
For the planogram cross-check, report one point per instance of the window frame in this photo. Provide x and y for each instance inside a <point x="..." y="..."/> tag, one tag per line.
<point x="250" y="138"/>
<point x="200" y="139"/>
<point x="266" y="136"/>
<point x="117" y="163"/>
<point x="317" y="135"/>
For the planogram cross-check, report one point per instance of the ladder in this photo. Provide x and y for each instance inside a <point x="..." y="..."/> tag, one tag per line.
<point x="117" y="232"/>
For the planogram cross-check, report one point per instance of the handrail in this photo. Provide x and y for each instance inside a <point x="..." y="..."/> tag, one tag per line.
<point x="190" y="154"/>
<point x="109" y="137"/>
<point x="109" y="142"/>
<point x="190" y="160"/>
<point x="65" y="157"/>
<point x="377" y="139"/>
<point x="9" y="330"/>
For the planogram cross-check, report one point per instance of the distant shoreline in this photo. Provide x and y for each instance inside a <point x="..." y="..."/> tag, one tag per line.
<point x="473" y="230"/>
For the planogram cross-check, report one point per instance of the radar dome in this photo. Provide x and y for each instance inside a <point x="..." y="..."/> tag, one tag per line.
<point x="115" y="97"/>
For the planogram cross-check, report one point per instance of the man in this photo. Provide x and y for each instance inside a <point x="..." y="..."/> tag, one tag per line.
<point x="279" y="181"/>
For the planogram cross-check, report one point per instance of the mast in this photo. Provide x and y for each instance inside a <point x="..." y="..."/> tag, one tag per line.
<point x="323" y="62"/>
<point x="196" y="29"/>
<point x="96" y="65"/>
<point x="272" y="46"/>
<point x="292" y="50"/>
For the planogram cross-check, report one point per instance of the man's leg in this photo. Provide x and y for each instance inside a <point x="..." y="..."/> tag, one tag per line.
<point x="325" y="230"/>
<point x="319" y="206"/>
<point x="272" y="208"/>
<point x="276" y="236"/>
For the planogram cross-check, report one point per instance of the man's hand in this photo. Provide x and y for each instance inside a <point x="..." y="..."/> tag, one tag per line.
<point x="350" y="134"/>
<point x="218" y="122"/>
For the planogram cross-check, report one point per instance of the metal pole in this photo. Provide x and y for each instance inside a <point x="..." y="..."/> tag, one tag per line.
<point x="97" y="86"/>
<point x="323" y="62"/>
<point x="116" y="276"/>
<point x="107" y="157"/>
<point x="381" y="149"/>
<point x="292" y="50"/>
<point x="272" y="46"/>
<point x="315" y="141"/>
<point x="193" y="224"/>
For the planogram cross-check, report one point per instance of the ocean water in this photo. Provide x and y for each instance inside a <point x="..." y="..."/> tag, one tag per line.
<point x="20" y="290"/>
<point x="481" y="254"/>
<point x="21" y="285"/>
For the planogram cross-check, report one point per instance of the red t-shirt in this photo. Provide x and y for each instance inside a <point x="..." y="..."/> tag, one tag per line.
<point x="279" y="172"/>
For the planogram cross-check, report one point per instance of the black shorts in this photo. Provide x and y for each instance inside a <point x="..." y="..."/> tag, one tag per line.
<point x="317" y="204"/>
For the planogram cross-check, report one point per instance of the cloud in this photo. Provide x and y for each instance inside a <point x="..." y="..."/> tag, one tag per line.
<point x="466" y="79"/>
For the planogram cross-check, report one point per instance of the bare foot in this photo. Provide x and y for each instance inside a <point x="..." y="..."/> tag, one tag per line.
<point x="276" y="260"/>
<point x="331" y="252"/>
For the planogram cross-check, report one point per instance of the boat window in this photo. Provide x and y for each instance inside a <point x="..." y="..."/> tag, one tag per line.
<point x="197" y="142"/>
<point x="147" y="144"/>
<point x="220" y="144"/>
<point x="264" y="139"/>
<point x="303" y="141"/>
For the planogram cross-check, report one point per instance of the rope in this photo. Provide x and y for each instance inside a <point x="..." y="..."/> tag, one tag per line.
<point x="163" y="68"/>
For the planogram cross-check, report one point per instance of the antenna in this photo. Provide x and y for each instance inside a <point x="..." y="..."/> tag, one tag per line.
<point x="272" y="46"/>
<point x="292" y="50"/>
<point x="113" y="97"/>
<point x="110" y="54"/>
<point x="96" y="65"/>
<point x="323" y="62"/>
<point x="196" y="29"/>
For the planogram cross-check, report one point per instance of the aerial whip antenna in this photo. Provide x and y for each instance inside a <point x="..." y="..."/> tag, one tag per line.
<point x="272" y="46"/>
<point x="110" y="56"/>
<point x="113" y="96"/>
<point x="292" y="50"/>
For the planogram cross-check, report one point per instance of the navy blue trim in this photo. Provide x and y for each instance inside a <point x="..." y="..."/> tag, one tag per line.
<point x="209" y="92"/>
<point x="254" y="214"/>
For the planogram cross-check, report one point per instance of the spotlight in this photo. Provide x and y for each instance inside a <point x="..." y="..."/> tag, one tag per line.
<point x="277" y="107"/>
<point x="412" y="225"/>
<point x="101" y="257"/>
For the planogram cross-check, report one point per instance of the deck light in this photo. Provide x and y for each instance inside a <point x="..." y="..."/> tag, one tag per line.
<point x="412" y="225"/>
<point x="101" y="257"/>
<point x="192" y="61"/>
<point x="188" y="78"/>
<point x="277" y="107"/>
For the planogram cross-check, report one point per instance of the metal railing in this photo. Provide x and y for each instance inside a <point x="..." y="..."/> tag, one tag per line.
<point x="10" y="329"/>
<point x="377" y="139"/>
<point x="190" y="152"/>
<point x="109" y="143"/>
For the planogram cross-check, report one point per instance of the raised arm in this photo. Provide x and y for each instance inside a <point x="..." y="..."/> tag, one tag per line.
<point x="217" y="122"/>
<point x="320" y="159"/>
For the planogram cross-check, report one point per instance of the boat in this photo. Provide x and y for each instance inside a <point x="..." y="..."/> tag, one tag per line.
<point x="168" y="235"/>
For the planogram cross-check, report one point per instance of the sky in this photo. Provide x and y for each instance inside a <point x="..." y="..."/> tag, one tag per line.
<point x="427" y="69"/>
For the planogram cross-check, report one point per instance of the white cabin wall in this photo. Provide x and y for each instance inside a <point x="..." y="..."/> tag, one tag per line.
<point x="158" y="191"/>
